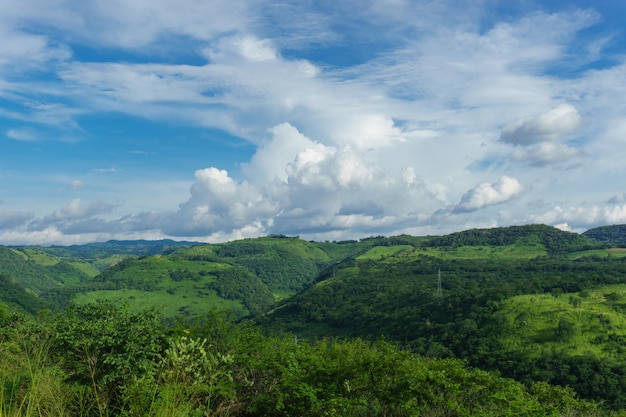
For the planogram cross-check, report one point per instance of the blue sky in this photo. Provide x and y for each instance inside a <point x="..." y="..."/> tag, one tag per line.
<point x="219" y="120"/>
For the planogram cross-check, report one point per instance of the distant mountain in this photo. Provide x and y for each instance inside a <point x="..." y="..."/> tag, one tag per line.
<point x="615" y="234"/>
<point x="37" y="271"/>
<point x="554" y="240"/>
<point x="17" y="297"/>
<point x="99" y="250"/>
<point x="244" y="277"/>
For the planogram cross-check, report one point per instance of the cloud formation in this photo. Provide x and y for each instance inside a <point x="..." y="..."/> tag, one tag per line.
<point x="545" y="127"/>
<point x="329" y="121"/>
<point x="486" y="194"/>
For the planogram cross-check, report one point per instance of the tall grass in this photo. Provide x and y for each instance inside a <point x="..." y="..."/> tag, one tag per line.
<point x="29" y="384"/>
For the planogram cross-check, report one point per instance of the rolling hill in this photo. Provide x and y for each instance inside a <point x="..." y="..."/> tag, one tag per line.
<point x="613" y="235"/>
<point x="243" y="277"/>
<point x="532" y="302"/>
<point x="500" y="298"/>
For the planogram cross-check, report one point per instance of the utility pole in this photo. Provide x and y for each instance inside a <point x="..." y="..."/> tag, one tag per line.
<point x="439" y="283"/>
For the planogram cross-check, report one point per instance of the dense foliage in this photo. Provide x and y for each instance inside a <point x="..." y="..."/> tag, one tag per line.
<point x="245" y="276"/>
<point x="15" y="295"/>
<point x="394" y="293"/>
<point x="533" y="303"/>
<point x="37" y="276"/>
<point x="615" y="234"/>
<point x="555" y="241"/>
<point x="102" y="360"/>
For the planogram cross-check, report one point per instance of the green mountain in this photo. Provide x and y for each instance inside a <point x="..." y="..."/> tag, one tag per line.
<point x="18" y="298"/>
<point x="467" y="295"/>
<point x="243" y="277"/>
<point x="37" y="271"/>
<point x="614" y="235"/>
<point x="30" y="274"/>
<point x="101" y="255"/>
<point x="532" y="302"/>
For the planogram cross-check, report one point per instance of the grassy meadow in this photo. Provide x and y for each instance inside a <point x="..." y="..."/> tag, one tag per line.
<point x="572" y="323"/>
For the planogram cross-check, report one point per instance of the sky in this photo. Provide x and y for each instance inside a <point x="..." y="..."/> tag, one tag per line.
<point x="220" y="120"/>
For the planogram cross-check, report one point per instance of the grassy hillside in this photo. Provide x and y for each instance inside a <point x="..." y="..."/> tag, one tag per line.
<point x="482" y="311"/>
<point x="243" y="277"/>
<point x="49" y="276"/>
<point x="37" y="271"/>
<point x="571" y="323"/>
<point x="532" y="302"/>
<point x="18" y="298"/>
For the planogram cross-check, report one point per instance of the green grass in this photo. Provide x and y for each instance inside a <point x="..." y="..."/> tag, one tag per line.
<point x="149" y="283"/>
<point x="531" y="322"/>
<point x="602" y="253"/>
<point x="86" y="268"/>
<point x="40" y="257"/>
<point x="103" y="263"/>
<point x="525" y="248"/>
<point x="379" y="252"/>
<point x="186" y="301"/>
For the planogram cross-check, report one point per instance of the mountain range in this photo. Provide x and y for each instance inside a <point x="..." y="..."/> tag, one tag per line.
<point x="532" y="302"/>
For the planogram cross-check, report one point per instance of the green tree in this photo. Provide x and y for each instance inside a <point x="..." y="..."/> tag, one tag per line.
<point x="104" y="347"/>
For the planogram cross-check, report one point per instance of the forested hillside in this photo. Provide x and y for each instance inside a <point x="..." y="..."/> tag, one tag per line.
<point x="243" y="277"/>
<point x="615" y="234"/>
<point x="38" y="272"/>
<point x="103" y="360"/>
<point x="532" y="303"/>
<point x="450" y="297"/>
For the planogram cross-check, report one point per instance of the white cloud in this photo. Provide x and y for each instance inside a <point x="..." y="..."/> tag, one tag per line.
<point x="271" y="158"/>
<point x="486" y="194"/>
<point x="21" y="51"/>
<point x="217" y="203"/>
<point x="257" y="50"/>
<point x="315" y="189"/>
<point x="583" y="217"/>
<point x="72" y="214"/>
<point x="546" y="153"/>
<point x="433" y="102"/>
<point x="548" y="126"/>
<point x="24" y="135"/>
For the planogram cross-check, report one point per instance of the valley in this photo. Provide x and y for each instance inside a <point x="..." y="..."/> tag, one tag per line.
<point x="531" y="303"/>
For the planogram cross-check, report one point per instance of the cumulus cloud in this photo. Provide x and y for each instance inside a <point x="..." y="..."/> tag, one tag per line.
<point x="218" y="202"/>
<point x="583" y="217"/>
<point x="486" y="194"/>
<point x="548" y="126"/>
<point x="343" y="148"/>
<point x="73" y="212"/>
<point x="316" y="189"/>
<point x="271" y="159"/>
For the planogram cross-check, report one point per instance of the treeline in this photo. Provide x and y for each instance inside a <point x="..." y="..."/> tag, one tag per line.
<point x="556" y="241"/>
<point x="615" y="234"/>
<point x="102" y="360"/>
